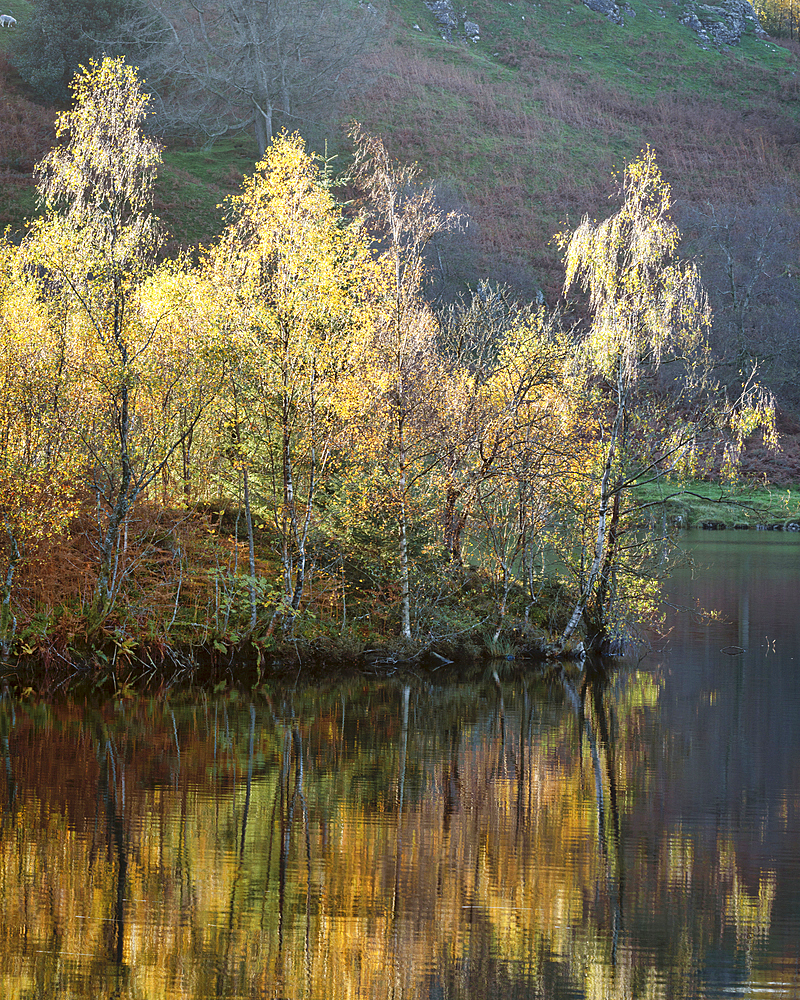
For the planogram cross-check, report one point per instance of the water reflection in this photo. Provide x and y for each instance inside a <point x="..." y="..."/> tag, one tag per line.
<point x="575" y="834"/>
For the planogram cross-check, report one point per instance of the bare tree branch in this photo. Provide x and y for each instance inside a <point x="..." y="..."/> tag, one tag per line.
<point x="219" y="65"/>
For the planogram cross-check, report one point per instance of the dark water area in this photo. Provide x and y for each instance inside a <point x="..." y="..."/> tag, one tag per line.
<point x="598" y="835"/>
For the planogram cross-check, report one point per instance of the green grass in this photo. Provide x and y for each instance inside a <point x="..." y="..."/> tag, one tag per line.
<point x="22" y="10"/>
<point x="694" y="503"/>
<point x="193" y="183"/>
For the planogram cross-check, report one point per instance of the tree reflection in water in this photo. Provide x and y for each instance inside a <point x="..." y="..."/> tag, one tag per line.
<point x="111" y="799"/>
<point x="389" y="839"/>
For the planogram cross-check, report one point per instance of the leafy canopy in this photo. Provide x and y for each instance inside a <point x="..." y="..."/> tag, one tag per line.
<point x="101" y="178"/>
<point x="645" y="303"/>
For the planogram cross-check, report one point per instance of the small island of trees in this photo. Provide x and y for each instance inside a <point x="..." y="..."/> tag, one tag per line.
<point x="278" y="450"/>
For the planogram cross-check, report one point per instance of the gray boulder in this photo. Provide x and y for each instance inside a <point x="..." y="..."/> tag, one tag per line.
<point x="613" y="11"/>
<point x="723" y="24"/>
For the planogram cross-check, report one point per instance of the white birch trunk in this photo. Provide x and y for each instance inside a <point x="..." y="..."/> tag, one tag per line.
<point x="606" y="496"/>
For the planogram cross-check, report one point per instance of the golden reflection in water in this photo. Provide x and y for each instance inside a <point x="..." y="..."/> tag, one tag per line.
<point x="219" y="851"/>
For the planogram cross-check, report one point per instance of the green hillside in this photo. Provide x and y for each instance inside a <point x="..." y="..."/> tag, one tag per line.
<point x="523" y="128"/>
<point x="529" y="123"/>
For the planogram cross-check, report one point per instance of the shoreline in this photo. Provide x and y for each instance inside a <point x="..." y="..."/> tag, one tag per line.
<point x="117" y="666"/>
<point x="245" y="668"/>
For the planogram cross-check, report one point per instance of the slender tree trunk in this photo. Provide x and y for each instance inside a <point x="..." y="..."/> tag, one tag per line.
<point x="605" y="595"/>
<point x="344" y="596"/>
<point x="186" y="450"/>
<point x="606" y="496"/>
<point x="120" y="508"/>
<point x="128" y="490"/>
<point x="301" y="532"/>
<point x="248" y="517"/>
<point x="6" y="617"/>
<point x="405" y="589"/>
<point x="453" y="527"/>
<point x="251" y="549"/>
<point x="288" y="516"/>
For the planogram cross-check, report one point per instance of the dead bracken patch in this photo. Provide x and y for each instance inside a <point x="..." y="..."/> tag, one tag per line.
<point x="536" y="146"/>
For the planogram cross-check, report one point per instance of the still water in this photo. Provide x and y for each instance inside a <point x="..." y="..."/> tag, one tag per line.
<point x="624" y="835"/>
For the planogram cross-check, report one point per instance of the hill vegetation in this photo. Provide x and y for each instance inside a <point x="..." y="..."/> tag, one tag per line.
<point x="523" y="130"/>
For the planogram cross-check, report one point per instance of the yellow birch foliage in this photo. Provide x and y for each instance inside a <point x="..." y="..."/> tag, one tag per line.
<point x="183" y="375"/>
<point x="296" y="287"/>
<point x="38" y="468"/>
<point x="645" y="304"/>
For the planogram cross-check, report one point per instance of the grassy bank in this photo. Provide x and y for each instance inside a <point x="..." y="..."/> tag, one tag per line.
<point x="705" y="504"/>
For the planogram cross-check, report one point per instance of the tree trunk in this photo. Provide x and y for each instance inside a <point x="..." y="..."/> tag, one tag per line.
<point x="120" y="509"/>
<point x="248" y="517"/>
<point x="6" y="617"/>
<point x="605" y="595"/>
<point x="263" y="127"/>
<point x="251" y="549"/>
<point x="453" y="527"/>
<point x="405" y="589"/>
<point x="186" y="449"/>
<point x="606" y="494"/>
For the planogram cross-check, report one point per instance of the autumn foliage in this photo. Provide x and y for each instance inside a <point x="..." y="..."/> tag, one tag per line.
<point x="283" y="440"/>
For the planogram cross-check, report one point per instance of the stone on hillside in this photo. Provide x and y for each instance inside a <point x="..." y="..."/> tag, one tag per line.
<point x="722" y="24"/>
<point x="444" y="14"/>
<point x="447" y="20"/>
<point x="613" y="11"/>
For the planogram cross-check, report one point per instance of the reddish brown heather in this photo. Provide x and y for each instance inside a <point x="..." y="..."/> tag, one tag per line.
<point x="26" y="134"/>
<point x="523" y="174"/>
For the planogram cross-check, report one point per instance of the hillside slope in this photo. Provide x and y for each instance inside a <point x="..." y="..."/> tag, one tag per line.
<point x="522" y="119"/>
<point x="528" y="123"/>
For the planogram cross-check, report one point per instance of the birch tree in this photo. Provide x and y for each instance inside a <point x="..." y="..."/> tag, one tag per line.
<point x="93" y="250"/>
<point x="646" y="308"/>
<point x="297" y="286"/>
<point x="404" y="217"/>
<point x="645" y="363"/>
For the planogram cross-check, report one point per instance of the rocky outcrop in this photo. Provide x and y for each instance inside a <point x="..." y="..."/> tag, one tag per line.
<point x="613" y="11"/>
<point x="472" y="31"/>
<point x="724" y="24"/>
<point x="715" y="25"/>
<point x="445" y="16"/>
<point x="448" y="21"/>
<point x="720" y="25"/>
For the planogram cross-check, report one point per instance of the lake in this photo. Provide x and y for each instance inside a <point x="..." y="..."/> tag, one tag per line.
<point x="632" y="833"/>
